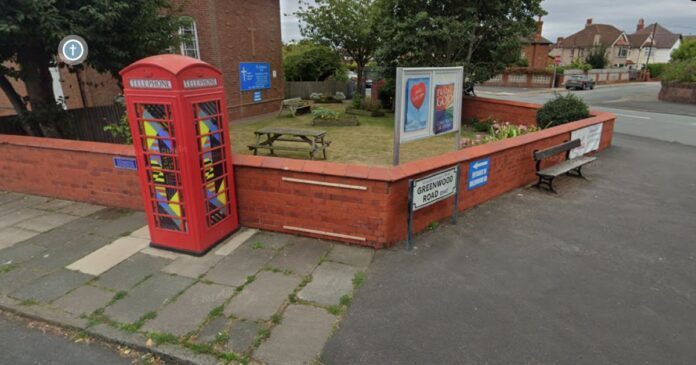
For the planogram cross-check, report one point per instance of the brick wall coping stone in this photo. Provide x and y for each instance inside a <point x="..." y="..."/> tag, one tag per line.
<point x="67" y="145"/>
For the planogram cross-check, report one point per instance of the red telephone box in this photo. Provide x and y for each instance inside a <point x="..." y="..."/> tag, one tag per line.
<point x="178" y="117"/>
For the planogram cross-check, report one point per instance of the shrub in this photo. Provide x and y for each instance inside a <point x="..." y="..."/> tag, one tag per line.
<point x="561" y="110"/>
<point x="357" y="101"/>
<point x="387" y="94"/>
<point x="680" y="71"/>
<point x="340" y="96"/>
<point x="579" y="64"/>
<point x="120" y="130"/>
<point x="326" y="114"/>
<point x="657" y="69"/>
<point x="483" y="125"/>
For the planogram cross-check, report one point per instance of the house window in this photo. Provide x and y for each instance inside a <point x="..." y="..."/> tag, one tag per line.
<point x="189" y="38"/>
<point x="623" y="52"/>
<point x="647" y="52"/>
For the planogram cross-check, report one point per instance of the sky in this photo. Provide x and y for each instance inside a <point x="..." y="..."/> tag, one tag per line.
<point x="566" y="17"/>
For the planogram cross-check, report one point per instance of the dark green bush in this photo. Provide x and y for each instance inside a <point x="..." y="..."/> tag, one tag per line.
<point x="657" y="69"/>
<point x="483" y="125"/>
<point x="680" y="71"/>
<point x="387" y="93"/>
<point x="563" y="109"/>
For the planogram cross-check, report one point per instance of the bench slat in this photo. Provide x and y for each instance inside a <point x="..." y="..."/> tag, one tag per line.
<point x="566" y="166"/>
<point x="563" y="147"/>
<point x="281" y="148"/>
<point x="292" y="132"/>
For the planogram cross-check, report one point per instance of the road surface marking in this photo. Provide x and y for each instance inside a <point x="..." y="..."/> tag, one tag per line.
<point x="631" y="116"/>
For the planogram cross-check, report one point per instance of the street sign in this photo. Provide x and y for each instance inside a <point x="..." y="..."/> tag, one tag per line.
<point x="73" y="50"/>
<point x="257" y="97"/>
<point x="254" y="76"/>
<point x="125" y="163"/>
<point x="478" y="173"/>
<point x="429" y="190"/>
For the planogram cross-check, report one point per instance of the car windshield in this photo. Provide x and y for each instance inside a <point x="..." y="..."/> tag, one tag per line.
<point x="577" y="77"/>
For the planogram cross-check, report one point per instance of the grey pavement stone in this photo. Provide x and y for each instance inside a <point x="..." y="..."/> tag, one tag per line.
<point x="9" y="236"/>
<point x="51" y="315"/>
<point x="299" y="339"/>
<point x="19" y="253"/>
<point x="27" y="201"/>
<point x="330" y="282"/>
<point x="6" y="197"/>
<point x="183" y="355"/>
<point x="84" y="300"/>
<point x="51" y="287"/>
<point x="80" y="209"/>
<point x="262" y="298"/>
<point x="351" y="255"/>
<point x="120" y="226"/>
<point x="112" y="334"/>
<point x="16" y="279"/>
<point x="234" y="269"/>
<point x="190" y="309"/>
<point x="54" y="204"/>
<point x="82" y="225"/>
<point x="46" y="222"/>
<point x="149" y="296"/>
<point x="270" y="240"/>
<point x="191" y="266"/>
<point x="212" y="329"/>
<point x="56" y="237"/>
<point x="14" y="217"/>
<point x="242" y="335"/>
<point x="62" y="254"/>
<point x="131" y="271"/>
<point x="301" y="256"/>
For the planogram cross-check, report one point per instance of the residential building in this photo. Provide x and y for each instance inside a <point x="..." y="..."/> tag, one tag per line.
<point x="223" y="33"/>
<point x="623" y="50"/>
<point x="536" y="48"/>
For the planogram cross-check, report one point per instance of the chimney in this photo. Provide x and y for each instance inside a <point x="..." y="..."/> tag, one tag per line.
<point x="589" y="22"/>
<point x="641" y="25"/>
<point x="539" y="26"/>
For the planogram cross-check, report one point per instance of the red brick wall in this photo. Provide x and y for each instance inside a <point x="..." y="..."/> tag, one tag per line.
<point x="500" y="110"/>
<point x="74" y="170"/>
<point x="537" y="55"/>
<point x="368" y="207"/>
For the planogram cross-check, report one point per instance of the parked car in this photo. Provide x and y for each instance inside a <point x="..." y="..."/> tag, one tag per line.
<point x="580" y="82"/>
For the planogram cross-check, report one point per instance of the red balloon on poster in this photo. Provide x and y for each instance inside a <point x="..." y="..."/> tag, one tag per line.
<point x="418" y="95"/>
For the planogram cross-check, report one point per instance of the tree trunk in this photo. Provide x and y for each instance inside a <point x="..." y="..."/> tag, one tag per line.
<point x="34" y="64"/>
<point x="18" y="105"/>
<point x="360" y="70"/>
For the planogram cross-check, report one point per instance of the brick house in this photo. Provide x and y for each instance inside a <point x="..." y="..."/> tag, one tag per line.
<point x="536" y="48"/>
<point x="220" y="32"/>
<point x="623" y="50"/>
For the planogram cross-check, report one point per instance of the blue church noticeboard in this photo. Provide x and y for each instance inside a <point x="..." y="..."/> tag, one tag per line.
<point x="255" y="75"/>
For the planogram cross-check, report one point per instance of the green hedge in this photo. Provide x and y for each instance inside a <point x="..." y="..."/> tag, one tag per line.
<point x="563" y="109"/>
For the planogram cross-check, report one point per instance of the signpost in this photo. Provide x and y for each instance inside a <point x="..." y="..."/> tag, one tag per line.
<point x="556" y="63"/>
<point x="478" y="173"/>
<point x="254" y="76"/>
<point x="429" y="190"/>
<point x="428" y="103"/>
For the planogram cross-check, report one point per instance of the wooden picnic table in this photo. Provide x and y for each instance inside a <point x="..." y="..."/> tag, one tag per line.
<point x="266" y="137"/>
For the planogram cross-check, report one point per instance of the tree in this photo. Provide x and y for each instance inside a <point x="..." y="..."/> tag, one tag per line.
<point x="483" y="36"/>
<point x="309" y="61"/>
<point x="685" y="52"/>
<point x="597" y="58"/>
<point x="118" y="33"/>
<point x="348" y="26"/>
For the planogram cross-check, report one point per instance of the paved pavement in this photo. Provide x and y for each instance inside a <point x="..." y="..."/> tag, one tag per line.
<point x="601" y="274"/>
<point x="637" y="109"/>
<point x="20" y="345"/>
<point x="90" y="267"/>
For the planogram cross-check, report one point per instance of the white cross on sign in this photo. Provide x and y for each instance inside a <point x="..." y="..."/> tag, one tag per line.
<point x="73" y="50"/>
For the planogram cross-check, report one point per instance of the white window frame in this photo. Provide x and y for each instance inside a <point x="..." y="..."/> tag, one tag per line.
<point x="647" y="52"/>
<point x="191" y="48"/>
<point x="623" y="52"/>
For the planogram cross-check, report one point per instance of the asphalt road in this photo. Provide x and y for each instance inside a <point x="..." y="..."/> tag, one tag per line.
<point x="638" y="112"/>
<point x="601" y="274"/>
<point x="20" y="345"/>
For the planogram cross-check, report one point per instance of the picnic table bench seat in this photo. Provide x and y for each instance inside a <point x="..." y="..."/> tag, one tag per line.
<point x="295" y="106"/>
<point x="570" y="166"/>
<point x="313" y="138"/>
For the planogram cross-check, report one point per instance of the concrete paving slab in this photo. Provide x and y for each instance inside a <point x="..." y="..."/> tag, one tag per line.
<point x="109" y="256"/>
<point x="17" y="278"/>
<point x="235" y="241"/>
<point x="191" y="266"/>
<point x="242" y="336"/>
<point x="19" y="215"/>
<point x="20" y="253"/>
<point x="143" y="232"/>
<point x="299" y="339"/>
<point x="51" y="287"/>
<point x="235" y="268"/>
<point x="210" y="332"/>
<point x="54" y="204"/>
<point x="62" y="254"/>
<point x="84" y="300"/>
<point x="118" y="227"/>
<point x="330" y="282"/>
<point x="131" y="271"/>
<point x="6" y="197"/>
<point x="262" y="298"/>
<point x="46" y="222"/>
<point x="81" y="225"/>
<point x="9" y="236"/>
<point x="147" y="297"/>
<point x="81" y="209"/>
<point x="270" y="240"/>
<point x="26" y="201"/>
<point x="351" y="255"/>
<point x="158" y="252"/>
<point x="301" y="256"/>
<point x="190" y="309"/>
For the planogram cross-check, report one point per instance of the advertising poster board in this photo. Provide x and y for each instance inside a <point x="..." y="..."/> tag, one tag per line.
<point x="589" y="137"/>
<point x="428" y="103"/>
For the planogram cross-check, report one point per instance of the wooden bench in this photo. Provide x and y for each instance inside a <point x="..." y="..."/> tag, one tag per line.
<point x="296" y="106"/>
<point x="575" y="165"/>
<point x="314" y="139"/>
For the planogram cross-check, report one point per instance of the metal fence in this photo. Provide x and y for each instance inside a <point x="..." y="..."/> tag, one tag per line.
<point x="303" y="89"/>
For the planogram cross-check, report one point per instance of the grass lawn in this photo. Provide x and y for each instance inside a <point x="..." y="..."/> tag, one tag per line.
<point x="370" y="143"/>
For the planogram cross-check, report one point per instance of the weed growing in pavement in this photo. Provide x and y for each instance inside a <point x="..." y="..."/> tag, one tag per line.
<point x="221" y="338"/>
<point x="160" y="338"/>
<point x="135" y="326"/>
<point x="118" y="296"/>
<point x="262" y="335"/>
<point x="231" y="357"/>
<point x="200" y="348"/>
<point x="28" y="302"/>
<point x="433" y="226"/>
<point x="216" y="312"/>
<point x="336" y="310"/>
<point x="276" y="318"/>
<point x="257" y="246"/>
<point x="346" y="300"/>
<point x="358" y="280"/>
<point x="7" y="268"/>
<point x="292" y="298"/>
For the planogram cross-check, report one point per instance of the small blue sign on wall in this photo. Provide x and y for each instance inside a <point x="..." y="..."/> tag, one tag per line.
<point x="254" y="75"/>
<point x="257" y="97"/>
<point x="478" y="173"/>
<point x="125" y="163"/>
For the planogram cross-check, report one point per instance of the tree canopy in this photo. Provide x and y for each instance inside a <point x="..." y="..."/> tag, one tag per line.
<point x="118" y="33"/>
<point x="597" y="58"/>
<point x="310" y="61"/>
<point x="482" y="35"/>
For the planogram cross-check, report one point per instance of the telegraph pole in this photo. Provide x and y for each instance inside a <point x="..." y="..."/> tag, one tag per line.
<point x="652" y="44"/>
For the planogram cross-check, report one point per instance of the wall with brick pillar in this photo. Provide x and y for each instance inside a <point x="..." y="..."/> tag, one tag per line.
<point x="500" y="110"/>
